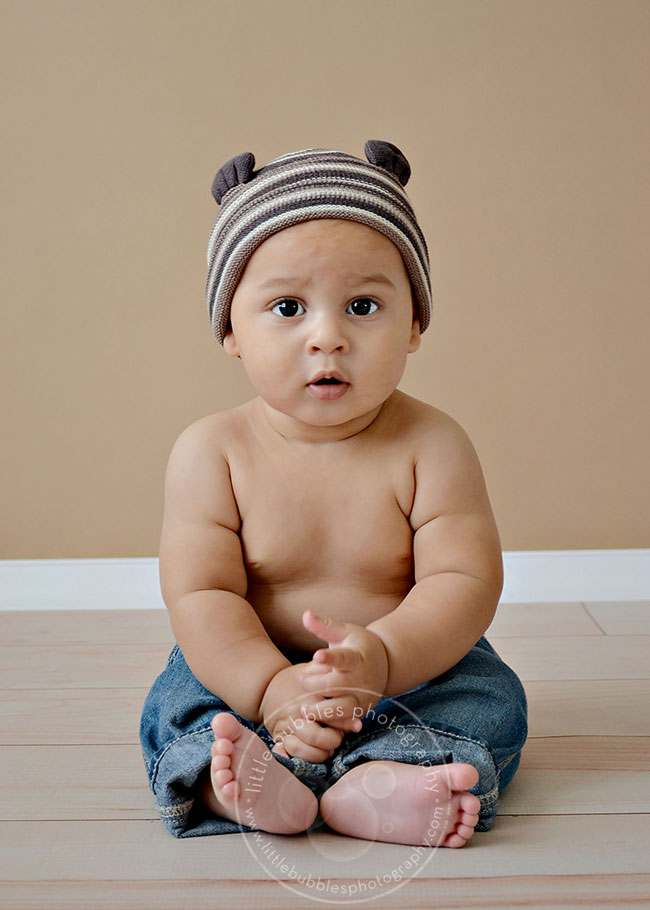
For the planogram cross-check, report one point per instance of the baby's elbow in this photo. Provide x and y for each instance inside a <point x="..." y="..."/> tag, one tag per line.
<point x="486" y="579"/>
<point x="493" y="588"/>
<point x="493" y="575"/>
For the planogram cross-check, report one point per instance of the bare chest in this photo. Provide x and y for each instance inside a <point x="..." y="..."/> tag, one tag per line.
<point x="317" y="520"/>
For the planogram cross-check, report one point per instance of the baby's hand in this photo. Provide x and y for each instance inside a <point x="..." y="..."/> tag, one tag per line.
<point x="354" y="665"/>
<point x="295" y="732"/>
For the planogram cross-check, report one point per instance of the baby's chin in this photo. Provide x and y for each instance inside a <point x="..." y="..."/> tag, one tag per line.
<point x="322" y="422"/>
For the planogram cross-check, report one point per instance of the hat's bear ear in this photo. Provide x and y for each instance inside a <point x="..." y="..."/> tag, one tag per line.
<point x="388" y="156"/>
<point x="233" y="173"/>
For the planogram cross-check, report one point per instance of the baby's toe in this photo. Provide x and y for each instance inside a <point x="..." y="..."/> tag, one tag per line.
<point x="470" y="804"/>
<point x="219" y="762"/>
<point x="465" y="831"/>
<point x="223" y="777"/>
<point x="468" y="818"/>
<point x="231" y="790"/>
<point x="461" y="776"/>
<point x="225" y="725"/>
<point x="222" y="747"/>
<point x="455" y="840"/>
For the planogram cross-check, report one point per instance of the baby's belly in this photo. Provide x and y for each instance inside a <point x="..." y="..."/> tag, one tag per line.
<point x="280" y="609"/>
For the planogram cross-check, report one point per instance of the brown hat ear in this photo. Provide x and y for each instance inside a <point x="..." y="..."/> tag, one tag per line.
<point x="388" y="156"/>
<point x="233" y="173"/>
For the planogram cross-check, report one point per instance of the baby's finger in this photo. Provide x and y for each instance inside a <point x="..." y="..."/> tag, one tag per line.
<point x="342" y="713"/>
<point x="314" y="734"/>
<point x="310" y="732"/>
<point x="332" y="683"/>
<point x="293" y="745"/>
<point x="326" y="709"/>
<point x="329" y="630"/>
<point x="335" y="659"/>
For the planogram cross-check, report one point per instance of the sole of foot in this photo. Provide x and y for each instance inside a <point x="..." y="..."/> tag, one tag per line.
<point x="404" y="804"/>
<point x="251" y="787"/>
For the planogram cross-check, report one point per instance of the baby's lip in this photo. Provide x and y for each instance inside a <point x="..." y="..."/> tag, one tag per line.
<point x="327" y="374"/>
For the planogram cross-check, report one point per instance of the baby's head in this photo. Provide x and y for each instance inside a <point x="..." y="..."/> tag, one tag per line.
<point x="310" y="185"/>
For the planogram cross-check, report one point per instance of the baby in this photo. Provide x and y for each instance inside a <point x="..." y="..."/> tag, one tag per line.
<point x="329" y="557"/>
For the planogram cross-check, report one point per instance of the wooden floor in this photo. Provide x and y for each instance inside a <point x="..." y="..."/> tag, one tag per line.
<point x="79" y="828"/>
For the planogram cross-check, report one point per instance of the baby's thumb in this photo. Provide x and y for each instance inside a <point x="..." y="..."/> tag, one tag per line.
<point x="330" y="630"/>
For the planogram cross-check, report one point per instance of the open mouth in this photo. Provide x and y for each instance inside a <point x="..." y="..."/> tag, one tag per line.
<point x="328" y="388"/>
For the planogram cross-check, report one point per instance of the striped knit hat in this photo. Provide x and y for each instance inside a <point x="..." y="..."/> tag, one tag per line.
<point x="303" y="186"/>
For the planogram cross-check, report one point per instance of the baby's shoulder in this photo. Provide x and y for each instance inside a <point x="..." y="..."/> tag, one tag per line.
<point x="424" y="425"/>
<point x="197" y="479"/>
<point x="201" y="452"/>
<point x="212" y="432"/>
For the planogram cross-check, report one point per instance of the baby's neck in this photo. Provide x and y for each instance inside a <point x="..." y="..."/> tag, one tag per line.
<point x="293" y="430"/>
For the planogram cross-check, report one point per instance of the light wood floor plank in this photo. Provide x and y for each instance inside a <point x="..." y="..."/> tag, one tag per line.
<point x="576" y="657"/>
<point x="534" y="619"/>
<point x="62" y="627"/>
<point x="109" y="782"/>
<point x="79" y="627"/>
<point x="143" y="850"/>
<point x="50" y="783"/>
<point x="70" y="716"/>
<point x="81" y="666"/>
<point x="131" y="626"/>
<point x="624" y="618"/>
<point x="586" y="753"/>
<point x="613" y="707"/>
<point x="101" y="666"/>
<point x="96" y="716"/>
<point x="540" y="892"/>
<point x="542" y="792"/>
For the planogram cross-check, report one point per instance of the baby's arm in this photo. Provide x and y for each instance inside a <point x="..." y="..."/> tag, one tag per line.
<point x="458" y="563"/>
<point x="203" y="577"/>
<point x="203" y="582"/>
<point x="458" y="574"/>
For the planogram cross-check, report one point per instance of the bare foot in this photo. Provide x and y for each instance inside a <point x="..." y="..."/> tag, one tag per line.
<point x="249" y="786"/>
<point x="404" y="804"/>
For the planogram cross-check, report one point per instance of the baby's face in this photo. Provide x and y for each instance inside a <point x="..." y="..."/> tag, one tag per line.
<point x="324" y="298"/>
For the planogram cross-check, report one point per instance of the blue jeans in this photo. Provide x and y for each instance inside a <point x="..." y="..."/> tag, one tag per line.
<point x="476" y="712"/>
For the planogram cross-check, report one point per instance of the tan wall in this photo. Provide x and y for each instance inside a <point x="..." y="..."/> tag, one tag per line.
<point x="527" y="127"/>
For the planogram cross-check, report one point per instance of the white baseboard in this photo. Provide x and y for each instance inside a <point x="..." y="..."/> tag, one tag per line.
<point x="552" y="576"/>
<point x="543" y="576"/>
<point x="80" y="584"/>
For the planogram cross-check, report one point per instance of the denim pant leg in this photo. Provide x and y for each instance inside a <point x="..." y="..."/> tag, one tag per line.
<point x="476" y="712"/>
<point x="176" y="739"/>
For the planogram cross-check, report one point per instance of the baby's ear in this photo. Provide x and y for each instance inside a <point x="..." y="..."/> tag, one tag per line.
<point x="414" y="340"/>
<point x="230" y="343"/>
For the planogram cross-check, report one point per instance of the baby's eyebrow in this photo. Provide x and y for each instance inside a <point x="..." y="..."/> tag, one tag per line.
<point x="378" y="278"/>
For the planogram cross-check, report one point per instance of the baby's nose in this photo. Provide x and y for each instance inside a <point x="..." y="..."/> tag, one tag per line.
<point x="327" y="335"/>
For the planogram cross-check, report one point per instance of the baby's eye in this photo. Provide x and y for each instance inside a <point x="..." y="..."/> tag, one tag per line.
<point x="288" y="307"/>
<point x="362" y="306"/>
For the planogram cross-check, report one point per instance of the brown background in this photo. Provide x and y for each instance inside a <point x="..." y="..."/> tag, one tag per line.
<point x="527" y="127"/>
